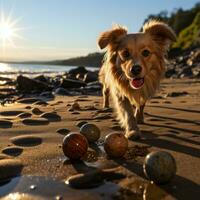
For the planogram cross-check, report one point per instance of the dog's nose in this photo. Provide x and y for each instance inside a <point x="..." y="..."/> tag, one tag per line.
<point x="136" y="69"/>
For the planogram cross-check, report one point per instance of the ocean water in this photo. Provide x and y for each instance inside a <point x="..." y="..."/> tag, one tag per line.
<point x="10" y="70"/>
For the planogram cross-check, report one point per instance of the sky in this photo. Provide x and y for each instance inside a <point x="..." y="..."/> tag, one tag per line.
<point x="60" y="29"/>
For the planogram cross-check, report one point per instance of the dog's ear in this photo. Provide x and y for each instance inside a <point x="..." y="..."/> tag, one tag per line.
<point x="160" y="32"/>
<point x="111" y="37"/>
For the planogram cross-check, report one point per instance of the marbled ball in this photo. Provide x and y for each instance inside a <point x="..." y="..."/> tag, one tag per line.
<point x="115" y="145"/>
<point x="75" y="146"/>
<point x="91" y="132"/>
<point x="159" y="167"/>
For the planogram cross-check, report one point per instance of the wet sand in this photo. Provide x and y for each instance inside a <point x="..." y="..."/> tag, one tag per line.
<point x="29" y="134"/>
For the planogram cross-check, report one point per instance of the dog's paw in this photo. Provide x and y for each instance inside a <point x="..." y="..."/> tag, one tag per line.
<point x="133" y="135"/>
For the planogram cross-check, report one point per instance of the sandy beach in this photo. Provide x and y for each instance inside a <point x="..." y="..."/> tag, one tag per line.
<point x="31" y="145"/>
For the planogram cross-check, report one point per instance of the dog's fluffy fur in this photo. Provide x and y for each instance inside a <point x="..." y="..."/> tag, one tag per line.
<point x="115" y="73"/>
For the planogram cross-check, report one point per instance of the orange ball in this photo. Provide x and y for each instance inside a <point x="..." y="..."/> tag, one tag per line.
<point x="115" y="145"/>
<point x="74" y="146"/>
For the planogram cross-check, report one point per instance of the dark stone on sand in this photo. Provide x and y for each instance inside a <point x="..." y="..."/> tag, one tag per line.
<point x="10" y="168"/>
<point x="116" y="128"/>
<point x="36" y="111"/>
<point x="90" y="77"/>
<point x="24" y="115"/>
<point x="5" y="124"/>
<point x="35" y="122"/>
<point x="28" y="100"/>
<point x="12" y="151"/>
<point x="75" y="113"/>
<point x="47" y="94"/>
<point x="26" y="140"/>
<point x="81" y="123"/>
<point x="70" y="83"/>
<point x="41" y="78"/>
<point x="28" y="107"/>
<point x="170" y="72"/>
<point x="186" y="72"/>
<point x="61" y="91"/>
<point x="78" y="70"/>
<point x="40" y="103"/>
<point x="63" y="131"/>
<point x="11" y="113"/>
<point x="177" y="94"/>
<point x="103" y="116"/>
<point x="51" y="116"/>
<point x="87" y="180"/>
<point x="26" y="84"/>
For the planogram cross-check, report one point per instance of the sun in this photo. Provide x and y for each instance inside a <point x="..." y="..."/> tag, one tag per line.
<point x="9" y="30"/>
<point x="6" y="31"/>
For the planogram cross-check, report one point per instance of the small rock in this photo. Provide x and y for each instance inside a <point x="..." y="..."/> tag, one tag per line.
<point x="35" y="122"/>
<point x="63" y="131"/>
<point x="81" y="123"/>
<point x="51" y="116"/>
<point x="103" y="116"/>
<point x="70" y="83"/>
<point x="5" y="124"/>
<point x="87" y="180"/>
<point x="24" y="115"/>
<point x="36" y="111"/>
<point x="12" y="151"/>
<point x="61" y="91"/>
<point x="28" y="100"/>
<point x="26" y="84"/>
<point x="75" y="106"/>
<point x="41" y="103"/>
<point x="26" y="140"/>
<point x="10" y="168"/>
<point x="177" y="94"/>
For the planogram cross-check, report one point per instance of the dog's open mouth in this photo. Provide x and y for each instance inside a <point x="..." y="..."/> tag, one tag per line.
<point x="137" y="83"/>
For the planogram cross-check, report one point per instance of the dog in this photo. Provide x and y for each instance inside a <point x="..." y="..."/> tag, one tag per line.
<point x="132" y="69"/>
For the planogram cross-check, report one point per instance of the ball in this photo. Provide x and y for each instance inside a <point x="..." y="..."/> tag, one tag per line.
<point x="74" y="146"/>
<point x="159" y="167"/>
<point x="90" y="131"/>
<point x="115" y="145"/>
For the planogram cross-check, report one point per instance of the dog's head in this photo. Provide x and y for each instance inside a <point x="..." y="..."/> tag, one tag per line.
<point x="138" y="54"/>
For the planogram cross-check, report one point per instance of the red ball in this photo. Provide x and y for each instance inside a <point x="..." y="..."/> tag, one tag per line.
<point x="75" y="146"/>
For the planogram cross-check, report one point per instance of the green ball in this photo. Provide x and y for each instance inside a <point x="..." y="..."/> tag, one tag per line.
<point x="159" y="167"/>
<point x="90" y="131"/>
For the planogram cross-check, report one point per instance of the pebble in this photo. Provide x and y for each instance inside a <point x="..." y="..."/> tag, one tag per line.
<point x="26" y="140"/>
<point x="12" y="151"/>
<point x="36" y="111"/>
<point x="87" y="180"/>
<point x="35" y="122"/>
<point x="24" y="115"/>
<point x="81" y="123"/>
<point x="51" y="116"/>
<point x="5" y="124"/>
<point x="10" y="168"/>
<point x="75" y="106"/>
<point x="28" y="100"/>
<point x="103" y="116"/>
<point x="63" y="131"/>
<point x="91" y="132"/>
<point x="41" y="103"/>
<point x="11" y="113"/>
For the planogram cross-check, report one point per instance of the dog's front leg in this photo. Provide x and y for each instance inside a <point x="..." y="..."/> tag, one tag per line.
<point x="139" y="114"/>
<point x="126" y="117"/>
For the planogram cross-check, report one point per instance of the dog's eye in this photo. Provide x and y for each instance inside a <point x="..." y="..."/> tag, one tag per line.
<point x="145" y="53"/>
<point x="126" y="54"/>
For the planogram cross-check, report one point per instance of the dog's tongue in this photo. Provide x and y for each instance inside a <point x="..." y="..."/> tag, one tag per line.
<point x="137" y="82"/>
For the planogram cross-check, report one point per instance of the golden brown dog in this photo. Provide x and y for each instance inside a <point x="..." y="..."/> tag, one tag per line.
<point x="133" y="67"/>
